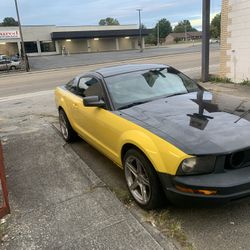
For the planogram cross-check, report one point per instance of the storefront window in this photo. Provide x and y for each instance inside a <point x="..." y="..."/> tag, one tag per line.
<point x="48" y="46"/>
<point x="30" y="47"/>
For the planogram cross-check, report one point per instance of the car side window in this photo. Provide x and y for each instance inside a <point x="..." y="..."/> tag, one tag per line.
<point x="4" y="62"/>
<point x="72" y="86"/>
<point x="89" y="86"/>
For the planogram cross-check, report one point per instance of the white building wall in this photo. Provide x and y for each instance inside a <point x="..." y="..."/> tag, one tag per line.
<point x="42" y="33"/>
<point x="94" y="27"/>
<point x="239" y="39"/>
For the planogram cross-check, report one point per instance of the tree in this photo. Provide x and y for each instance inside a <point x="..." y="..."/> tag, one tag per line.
<point x="9" y="21"/>
<point x="215" y="26"/>
<point x="165" y="28"/>
<point x="109" y="21"/>
<point x="151" y="38"/>
<point x="183" y="26"/>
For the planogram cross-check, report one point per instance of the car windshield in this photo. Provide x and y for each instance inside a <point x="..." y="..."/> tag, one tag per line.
<point x="134" y="88"/>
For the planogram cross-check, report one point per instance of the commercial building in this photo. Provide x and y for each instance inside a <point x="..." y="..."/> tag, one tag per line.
<point x="51" y="39"/>
<point x="235" y="40"/>
<point x="176" y="37"/>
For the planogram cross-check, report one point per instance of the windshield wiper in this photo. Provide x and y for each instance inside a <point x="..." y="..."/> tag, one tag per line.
<point x="182" y="93"/>
<point x="243" y="115"/>
<point x="132" y="104"/>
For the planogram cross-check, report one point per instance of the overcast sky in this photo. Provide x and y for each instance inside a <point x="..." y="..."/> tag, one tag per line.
<point x="89" y="12"/>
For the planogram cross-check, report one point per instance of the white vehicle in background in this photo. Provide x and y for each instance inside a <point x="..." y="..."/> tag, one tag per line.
<point x="3" y="57"/>
<point x="6" y="64"/>
<point x="214" y="41"/>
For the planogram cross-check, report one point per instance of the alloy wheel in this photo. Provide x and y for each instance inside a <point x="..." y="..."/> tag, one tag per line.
<point x="63" y="125"/>
<point x="137" y="180"/>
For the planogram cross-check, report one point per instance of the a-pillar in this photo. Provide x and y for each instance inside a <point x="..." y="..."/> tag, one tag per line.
<point x="19" y="48"/>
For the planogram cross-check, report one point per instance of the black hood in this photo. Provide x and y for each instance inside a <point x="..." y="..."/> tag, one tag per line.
<point x="193" y="122"/>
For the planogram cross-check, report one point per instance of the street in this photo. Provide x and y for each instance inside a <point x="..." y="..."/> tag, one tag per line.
<point x="23" y="83"/>
<point x="27" y="111"/>
<point x="59" y="61"/>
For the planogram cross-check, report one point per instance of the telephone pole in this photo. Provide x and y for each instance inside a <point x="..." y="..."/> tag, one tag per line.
<point x="205" y="39"/>
<point x="21" y="36"/>
<point x="140" y="32"/>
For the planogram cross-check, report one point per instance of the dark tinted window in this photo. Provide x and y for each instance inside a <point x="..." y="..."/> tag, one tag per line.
<point x="5" y="62"/>
<point x="30" y="47"/>
<point x="48" y="46"/>
<point x="89" y="86"/>
<point x="72" y="86"/>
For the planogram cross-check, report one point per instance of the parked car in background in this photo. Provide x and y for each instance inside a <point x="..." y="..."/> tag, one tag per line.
<point x="9" y="65"/>
<point x="15" y="58"/>
<point x="214" y="41"/>
<point x="3" y="57"/>
<point x="166" y="131"/>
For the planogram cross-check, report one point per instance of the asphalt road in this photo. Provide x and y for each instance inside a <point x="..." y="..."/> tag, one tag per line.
<point x="59" y="61"/>
<point x="22" y="83"/>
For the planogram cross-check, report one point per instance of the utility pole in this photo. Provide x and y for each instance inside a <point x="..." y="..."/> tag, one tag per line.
<point x="205" y="40"/>
<point x="21" y="36"/>
<point x="140" y="32"/>
<point x="158" y="34"/>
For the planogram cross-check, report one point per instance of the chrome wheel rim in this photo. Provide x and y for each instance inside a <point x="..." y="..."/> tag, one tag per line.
<point x="63" y="126"/>
<point x="137" y="180"/>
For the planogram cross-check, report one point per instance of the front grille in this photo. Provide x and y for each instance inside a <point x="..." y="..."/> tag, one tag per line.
<point x="239" y="159"/>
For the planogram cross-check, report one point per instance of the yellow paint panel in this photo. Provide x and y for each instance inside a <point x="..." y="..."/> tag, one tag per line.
<point x="109" y="132"/>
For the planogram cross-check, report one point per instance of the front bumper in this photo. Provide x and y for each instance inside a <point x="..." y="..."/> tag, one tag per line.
<point x="227" y="186"/>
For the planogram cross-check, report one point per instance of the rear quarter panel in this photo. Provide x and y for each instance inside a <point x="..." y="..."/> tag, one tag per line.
<point x="63" y="99"/>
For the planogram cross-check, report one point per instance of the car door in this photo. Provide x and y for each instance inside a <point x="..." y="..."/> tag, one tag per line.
<point x="93" y="123"/>
<point x="3" y="64"/>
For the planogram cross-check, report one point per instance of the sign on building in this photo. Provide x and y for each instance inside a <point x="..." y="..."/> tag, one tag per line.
<point x="9" y="34"/>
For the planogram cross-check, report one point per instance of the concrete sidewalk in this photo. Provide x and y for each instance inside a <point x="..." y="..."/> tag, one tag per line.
<point x="58" y="202"/>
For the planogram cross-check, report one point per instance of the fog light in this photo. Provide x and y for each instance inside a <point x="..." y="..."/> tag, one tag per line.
<point x="237" y="159"/>
<point x="188" y="165"/>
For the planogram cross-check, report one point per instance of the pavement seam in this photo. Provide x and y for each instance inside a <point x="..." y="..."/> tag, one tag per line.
<point x="107" y="188"/>
<point x="165" y="238"/>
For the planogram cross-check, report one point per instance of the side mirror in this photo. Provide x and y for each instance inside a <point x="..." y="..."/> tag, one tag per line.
<point x="93" y="101"/>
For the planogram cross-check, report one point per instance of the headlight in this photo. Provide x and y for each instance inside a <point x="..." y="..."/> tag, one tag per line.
<point x="197" y="165"/>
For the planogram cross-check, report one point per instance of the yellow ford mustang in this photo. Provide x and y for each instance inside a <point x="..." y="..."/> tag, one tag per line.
<point x="163" y="129"/>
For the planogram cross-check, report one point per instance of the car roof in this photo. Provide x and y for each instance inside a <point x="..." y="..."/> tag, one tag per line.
<point x="128" y="68"/>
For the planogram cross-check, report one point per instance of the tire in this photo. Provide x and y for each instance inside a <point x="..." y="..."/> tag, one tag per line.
<point x="12" y="67"/>
<point x="68" y="133"/>
<point x="142" y="180"/>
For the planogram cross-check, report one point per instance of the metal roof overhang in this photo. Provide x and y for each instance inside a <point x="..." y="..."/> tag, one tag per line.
<point x="97" y="33"/>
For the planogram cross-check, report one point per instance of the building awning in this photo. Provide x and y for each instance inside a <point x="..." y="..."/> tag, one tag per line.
<point x="97" y="33"/>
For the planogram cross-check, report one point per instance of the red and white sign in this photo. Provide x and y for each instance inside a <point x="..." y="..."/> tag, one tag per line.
<point x="9" y="34"/>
